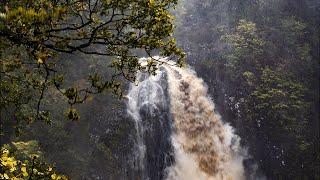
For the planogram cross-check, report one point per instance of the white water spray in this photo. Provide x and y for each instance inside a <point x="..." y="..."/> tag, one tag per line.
<point x="147" y="94"/>
<point x="205" y="148"/>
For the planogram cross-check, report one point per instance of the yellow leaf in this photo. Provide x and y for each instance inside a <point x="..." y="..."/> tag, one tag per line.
<point x="3" y="15"/>
<point x="40" y="61"/>
<point x="13" y="169"/>
<point x="5" y="176"/>
<point x="35" y="171"/>
<point x="23" y="169"/>
<point x="53" y="176"/>
<point x="90" y="98"/>
<point x="25" y="174"/>
<point x="5" y="152"/>
<point x="4" y="162"/>
<point x="15" y="178"/>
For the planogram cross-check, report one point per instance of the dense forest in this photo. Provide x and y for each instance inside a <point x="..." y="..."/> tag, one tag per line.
<point x="85" y="94"/>
<point x="261" y="62"/>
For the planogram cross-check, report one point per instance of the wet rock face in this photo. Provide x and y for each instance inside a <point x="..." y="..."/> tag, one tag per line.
<point x="157" y="142"/>
<point x="157" y="123"/>
<point x="112" y="135"/>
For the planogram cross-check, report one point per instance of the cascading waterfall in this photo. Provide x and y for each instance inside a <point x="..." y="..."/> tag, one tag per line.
<point x="150" y="94"/>
<point x="148" y="107"/>
<point x="133" y="110"/>
<point x="203" y="146"/>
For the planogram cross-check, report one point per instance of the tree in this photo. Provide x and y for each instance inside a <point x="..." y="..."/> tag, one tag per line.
<point x="273" y="95"/>
<point x="36" y="35"/>
<point x="263" y="74"/>
<point x="23" y="160"/>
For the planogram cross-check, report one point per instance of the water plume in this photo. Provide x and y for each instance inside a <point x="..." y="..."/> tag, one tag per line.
<point x="204" y="147"/>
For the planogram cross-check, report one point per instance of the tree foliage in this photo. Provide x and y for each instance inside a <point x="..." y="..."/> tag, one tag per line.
<point x="23" y="160"/>
<point x="261" y="62"/>
<point x="36" y="35"/>
<point x="274" y="93"/>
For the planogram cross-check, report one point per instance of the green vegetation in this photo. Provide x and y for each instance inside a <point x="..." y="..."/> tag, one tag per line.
<point x="55" y="55"/>
<point x="274" y="92"/>
<point x="34" y="34"/>
<point x="261" y="62"/>
<point x="23" y="160"/>
<point x="70" y="59"/>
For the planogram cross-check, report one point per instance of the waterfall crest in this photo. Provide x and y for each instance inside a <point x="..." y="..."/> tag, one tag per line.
<point x="201" y="145"/>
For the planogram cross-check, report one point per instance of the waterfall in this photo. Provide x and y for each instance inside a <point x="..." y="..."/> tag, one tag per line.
<point x="147" y="94"/>
<point x="148" y="106"/>
<point x="203" y="147"/>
